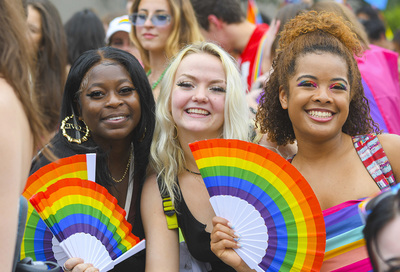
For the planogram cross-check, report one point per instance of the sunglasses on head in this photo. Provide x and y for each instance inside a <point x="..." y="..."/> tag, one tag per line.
<point x="139" y="19"/>
<point x="366" y="206"/>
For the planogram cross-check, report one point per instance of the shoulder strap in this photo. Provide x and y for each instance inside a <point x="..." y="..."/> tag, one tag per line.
<point x="374" y="159"/>
<point x="168" y="207"/>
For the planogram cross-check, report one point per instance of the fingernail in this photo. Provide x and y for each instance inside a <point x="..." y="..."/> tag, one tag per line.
<point x="236" y="239"/>
<point x="231" y="225"/>
<point x="239" y="245"/>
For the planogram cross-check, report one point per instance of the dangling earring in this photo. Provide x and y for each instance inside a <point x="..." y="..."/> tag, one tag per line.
<point x="64" y="126"/>
<point x="176" y="136"/>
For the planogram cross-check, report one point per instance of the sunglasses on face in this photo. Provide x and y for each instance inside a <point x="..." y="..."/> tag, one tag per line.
<point x="139" y="19"/>
<point x="366" y="206"/>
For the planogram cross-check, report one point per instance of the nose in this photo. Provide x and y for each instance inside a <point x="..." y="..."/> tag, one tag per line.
<point x="114" y="100"/>
<point x="323" y="95"/>
<point x="148" y="22"/>
<point x="200" y="95"/>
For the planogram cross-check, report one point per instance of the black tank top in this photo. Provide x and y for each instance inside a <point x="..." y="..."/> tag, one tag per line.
<point x="196" y="237"/>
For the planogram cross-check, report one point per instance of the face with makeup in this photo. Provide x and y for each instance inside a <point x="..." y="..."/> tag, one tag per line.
<point x="318" y="98"/>
<point x="109" y="103"/>
<point x="198" y="95"/>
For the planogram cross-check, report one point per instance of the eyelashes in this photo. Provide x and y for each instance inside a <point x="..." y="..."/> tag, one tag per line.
<point x="307" y="83"/>
<point x="310" y="83"/>
<point x="338" y="86"/>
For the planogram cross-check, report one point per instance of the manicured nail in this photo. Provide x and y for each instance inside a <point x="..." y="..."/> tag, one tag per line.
<point x="239" y="245"/>
<point x="231" y="225"/>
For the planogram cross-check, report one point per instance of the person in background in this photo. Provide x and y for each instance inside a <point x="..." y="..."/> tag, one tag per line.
<point x="107" y="94"/>
<point x="381" y="231"/>
<point x="378" y="67"/>
<point x="117" y="35"/>
<point x="160" y="29"/>
<point x="374" y="24"/>
<point x="21" y="119"/>
<point x="84" y="31"/>
<point x="201" y="98"/>
<point x="315" y="96"/>
<point x="50" y="45"/>
<point x="224" y="22"/>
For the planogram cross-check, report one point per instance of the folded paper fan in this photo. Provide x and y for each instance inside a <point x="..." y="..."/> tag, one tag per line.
<point x="87" y="221"/>
<point x="38" y="242"/>
<point x="271" y="205"/>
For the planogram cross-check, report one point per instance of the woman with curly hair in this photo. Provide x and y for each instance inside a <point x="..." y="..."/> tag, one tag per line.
<point x="160" y="29"/>
<point x="315" y="96"/>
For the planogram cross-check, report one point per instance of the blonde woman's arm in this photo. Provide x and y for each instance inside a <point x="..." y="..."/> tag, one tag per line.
<point x="162" y="244"/>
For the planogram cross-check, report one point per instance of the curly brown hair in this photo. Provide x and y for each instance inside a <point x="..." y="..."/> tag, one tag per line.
<point x="312" y="32"/>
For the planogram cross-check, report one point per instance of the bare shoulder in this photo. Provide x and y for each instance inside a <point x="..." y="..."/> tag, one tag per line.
<point x="8" y="98"/>
<point x="391" y="145"/>
<point x="151" y="197"/>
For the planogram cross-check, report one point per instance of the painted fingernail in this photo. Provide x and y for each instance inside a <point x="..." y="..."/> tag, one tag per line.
<point x="231" y="225"/>
<point x="239" y="245"/>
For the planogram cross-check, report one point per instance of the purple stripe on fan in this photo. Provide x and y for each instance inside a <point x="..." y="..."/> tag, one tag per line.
<point x="48" y="246"/>
<point x="269" y="222"/>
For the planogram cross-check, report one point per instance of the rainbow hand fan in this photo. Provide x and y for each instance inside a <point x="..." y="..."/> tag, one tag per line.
<point x="38" y="241"/>
<point x="87" y="221"/>
<point x="271" y="205"/>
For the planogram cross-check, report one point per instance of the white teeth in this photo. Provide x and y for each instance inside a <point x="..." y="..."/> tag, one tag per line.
<point x="198" y="111"/>
<point x="320" y="114"/>
<point x="116" y="118"/>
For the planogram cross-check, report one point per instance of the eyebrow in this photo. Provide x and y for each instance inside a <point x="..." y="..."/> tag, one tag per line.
<point x="100" y="84"/>
<point x="195" y="78"/>
<point x="315" y="78"/>
<point x="157" y="10"/>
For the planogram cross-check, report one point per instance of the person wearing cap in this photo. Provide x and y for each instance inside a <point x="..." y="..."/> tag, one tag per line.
<point x="118" y="36"/>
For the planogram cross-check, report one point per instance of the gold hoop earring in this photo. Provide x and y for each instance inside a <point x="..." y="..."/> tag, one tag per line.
<point x="64" y="126"/>
<point x="175" y="129"/>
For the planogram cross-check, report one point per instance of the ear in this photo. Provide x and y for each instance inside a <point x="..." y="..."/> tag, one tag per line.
<point x="283" y="98"/>
<point x="214" y="21"/>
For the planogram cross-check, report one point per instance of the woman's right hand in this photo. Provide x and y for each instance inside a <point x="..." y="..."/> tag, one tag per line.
<point x="223" y="242"/>
<point x="77" y="265"/>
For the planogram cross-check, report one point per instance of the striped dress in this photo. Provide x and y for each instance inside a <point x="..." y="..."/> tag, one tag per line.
<point x="345" y="246"/>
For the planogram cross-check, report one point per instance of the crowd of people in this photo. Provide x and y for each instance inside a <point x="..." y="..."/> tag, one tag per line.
<point x="314" y="85"/>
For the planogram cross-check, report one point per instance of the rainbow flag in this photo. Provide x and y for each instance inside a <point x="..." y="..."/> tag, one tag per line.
<point x="253" y="14"/>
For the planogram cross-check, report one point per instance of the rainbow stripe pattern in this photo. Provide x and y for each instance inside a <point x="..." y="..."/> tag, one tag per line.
<point x="345" y="245"/>
<point x="37" y="241"/>
<point x="253" y="14"/>
<point x="74" y="206"/>
<point x="280" y="194"/>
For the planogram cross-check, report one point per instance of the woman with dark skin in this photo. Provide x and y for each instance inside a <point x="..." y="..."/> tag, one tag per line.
<point x="315" y="96"/>
<point x="108" y="109"/>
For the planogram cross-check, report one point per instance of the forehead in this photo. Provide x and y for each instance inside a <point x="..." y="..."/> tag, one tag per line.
<point x="105" y="71"/>
<point x="154" y="5"/>
<point x="323" y="63"/>
<point x="201" y="64"/>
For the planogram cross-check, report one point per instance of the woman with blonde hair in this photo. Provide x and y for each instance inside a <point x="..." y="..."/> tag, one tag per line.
<point x="160" y="29"/>
<point x="201" y="98"/>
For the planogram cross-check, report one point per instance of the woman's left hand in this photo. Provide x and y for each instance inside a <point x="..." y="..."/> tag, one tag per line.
<point x="223" y="241"/>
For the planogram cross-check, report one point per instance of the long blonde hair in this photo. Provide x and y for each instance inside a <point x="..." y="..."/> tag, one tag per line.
<point x="185" y="30"/>
<point x="167" y="158"/>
